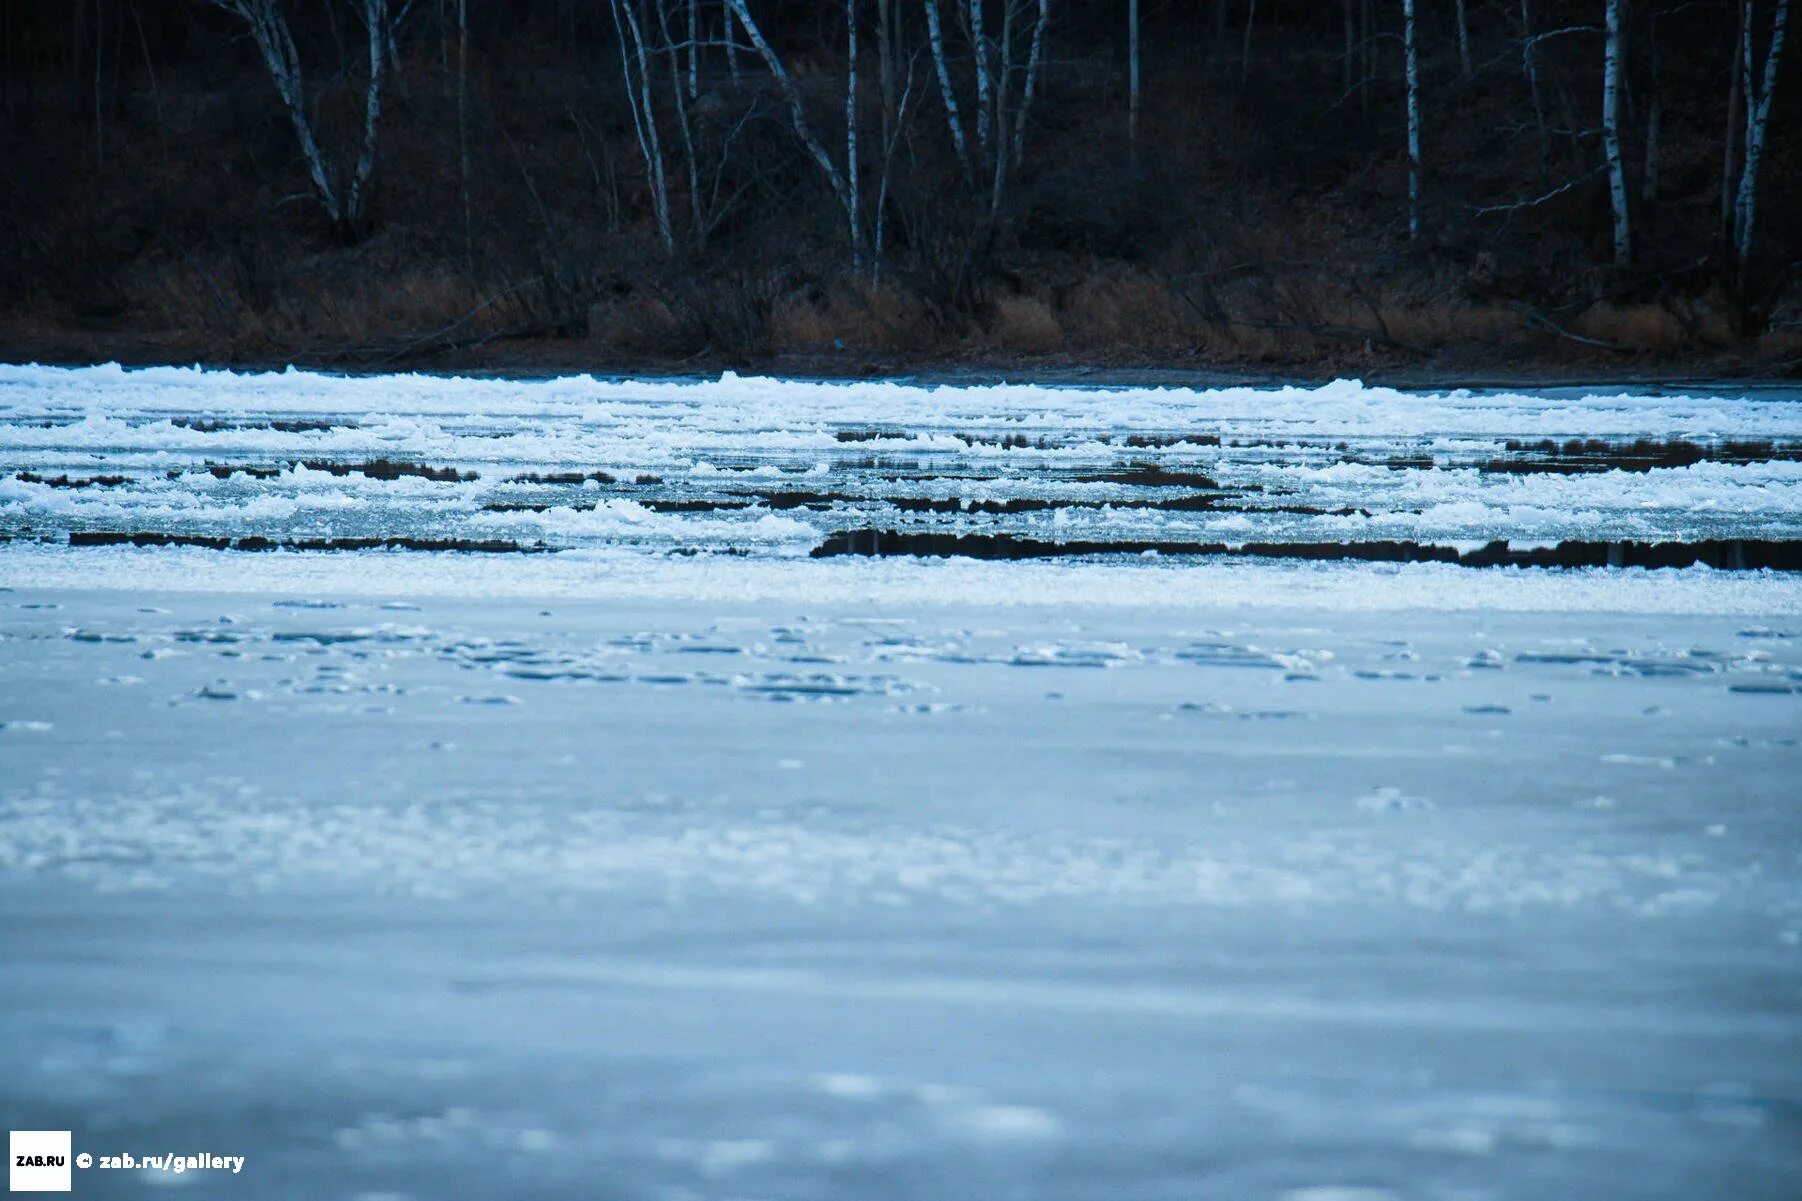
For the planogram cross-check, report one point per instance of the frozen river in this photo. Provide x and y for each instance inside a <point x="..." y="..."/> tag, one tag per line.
<point x="661" y="843"/>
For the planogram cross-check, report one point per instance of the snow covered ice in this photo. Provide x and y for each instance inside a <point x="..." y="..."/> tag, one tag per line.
<point x="674" y="860"/>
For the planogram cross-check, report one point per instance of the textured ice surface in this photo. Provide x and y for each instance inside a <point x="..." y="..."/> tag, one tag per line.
<point x="776" y="899"/>
<point x="618" y="873"/>
<point x="771" y="466"/>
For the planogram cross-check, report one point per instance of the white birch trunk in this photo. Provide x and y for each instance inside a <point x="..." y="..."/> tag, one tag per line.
<point x="375" y="16"/>
<point x="1132" y="70"/>
<point x="1411" y="49"/>
<point x="1758" y="116"/>
<point x="998" y="175"/>
<point x="853" y="208"/>
<point x="1611" y="137"/>
<point x="269" y="30"/>
<point x="1034" y="57"/>
<point x="797" y="111"/>
<point x="731" y="42"/>
<point x="644" y="113"/>
<point x="980" y="43"/>
<point x="694" y="48"/>
<point x="935" y="36"/>
<point x="696" y="221"/>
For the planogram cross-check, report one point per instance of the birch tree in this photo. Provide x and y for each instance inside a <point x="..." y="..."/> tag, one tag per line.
<point x="1411" y="52"/>
<point x="345" y="202"/>
<point x="935" y="40"/>
<point x="1132" y="71"/>
<point x="635" y="73"/>
<point x="853" y="209"/>
<point x="1029" y="88"/>
<point x="1004" y="93"/>
<point x="797" y="116"/>
<point x="1758" y="92"/>
<point x="1611" y="136"/>
<point x="979" y="43"/>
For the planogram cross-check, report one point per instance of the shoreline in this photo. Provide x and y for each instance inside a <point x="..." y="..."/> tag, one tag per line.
<point x="541" y="363"/>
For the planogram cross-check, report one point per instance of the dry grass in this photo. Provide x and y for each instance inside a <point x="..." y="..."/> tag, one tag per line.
<point x="634" y="325"/>
<point x="868" y="320"/>
<point x="1025" y="325"/>
<point x="1640" y="327"/>
<point x="1124" y="308"/>
<point x="1435" y="326"/>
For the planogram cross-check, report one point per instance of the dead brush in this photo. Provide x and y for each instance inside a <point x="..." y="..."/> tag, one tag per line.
<point x="1025" y="325"/>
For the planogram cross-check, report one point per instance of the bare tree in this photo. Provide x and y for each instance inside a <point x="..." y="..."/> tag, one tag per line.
<point x="935" y="35"/>
<point x="1034" y="59"/>
<point x="635" y="72"/>
<point x="1004" y="96"/>
<point x="1758" y="115"/>
<point x="1611" y="136"/>
<point x="797" y="115"/>
<point x="345" y="204"/>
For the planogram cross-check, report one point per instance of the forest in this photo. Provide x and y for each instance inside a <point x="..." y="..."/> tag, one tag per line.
<point x="867" y="186"/>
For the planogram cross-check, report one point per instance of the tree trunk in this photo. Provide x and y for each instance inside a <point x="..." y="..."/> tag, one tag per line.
<point x="1463" y="41"/>
<point x="99" y="107"/>
<point x="1611" y="137"/>
<point x="463" y="127"/>
<point x="694" y="48"/>
<point x="731" y="42"/>
<point x="935" y="35"/>
<point x="980" y="43"/>
<point x="1251" y="22"/>
<point x="1654" y="119"/>
<point x="1366" y="56"/>
<point x="1730" y="151"/>
<point x="375" y="16"/>
<point x="1411" y="50"/>
<point x="852" y="206"/>
<point x="797" y="114"/>
<point x="1345" y="68"/>
<point x="1758" y="115"/>
<point x="269" y="30"/>
<point x="1529" y="63"/>
<point x="1034" y="57"/>
<point x="998" y="176"/>
<point x="886" y="34"/>
<point x="1132" y="71"/>
<point x="697" y="223"/>
<point x="640" y="99"/>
